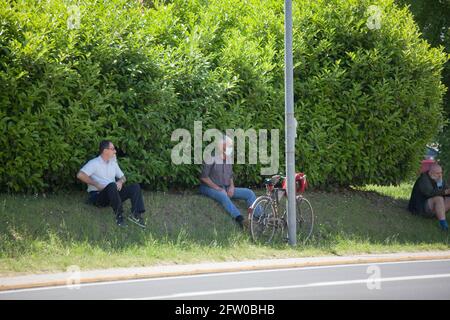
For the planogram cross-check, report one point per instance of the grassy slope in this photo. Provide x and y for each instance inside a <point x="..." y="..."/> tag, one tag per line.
<point x="40" y="234"/>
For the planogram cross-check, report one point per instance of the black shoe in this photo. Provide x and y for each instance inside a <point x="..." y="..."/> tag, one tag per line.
<point x="137" y="219"/>
<point x="121" y="222"/>
<point x="240" y="221"/>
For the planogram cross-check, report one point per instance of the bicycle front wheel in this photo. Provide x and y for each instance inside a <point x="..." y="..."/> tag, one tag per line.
<point x="305" y="219"/>
<point x="262" y="221"/>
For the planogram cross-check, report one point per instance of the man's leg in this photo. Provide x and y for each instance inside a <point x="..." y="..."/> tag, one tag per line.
<point x="222" y="198"/>
<point x="438" y="206"/>
<point x="110" y="196"/>
<point x="447" y="203"/>
<point x="133" y="192"/>
<point x="247" y="195"/>
<point x="244" y="194"/>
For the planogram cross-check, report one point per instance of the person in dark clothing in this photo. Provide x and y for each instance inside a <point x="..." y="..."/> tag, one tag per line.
<point x="106" y="187"/>
<point x="430" y="196"/>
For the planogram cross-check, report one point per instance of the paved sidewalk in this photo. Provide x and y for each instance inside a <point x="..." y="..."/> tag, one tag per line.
<point x="76" y="276"/>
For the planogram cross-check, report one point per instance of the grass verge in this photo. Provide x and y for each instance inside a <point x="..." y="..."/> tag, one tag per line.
<point x="50" y="233"/>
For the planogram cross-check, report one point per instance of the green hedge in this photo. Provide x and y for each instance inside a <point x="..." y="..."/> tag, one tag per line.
<point x="444" y="137"/>
<point x="432" y="18"/>
<point x="367" y="101"/>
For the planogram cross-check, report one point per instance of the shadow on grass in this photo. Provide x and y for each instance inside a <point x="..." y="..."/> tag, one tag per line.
<point x="349" y="218"/>
<point x="180" y="219"/>
<point x="372" y="218"/>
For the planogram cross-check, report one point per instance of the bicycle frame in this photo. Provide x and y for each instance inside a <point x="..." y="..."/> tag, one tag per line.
<point x="273" y="197"/>
<point x="277" y="194"/>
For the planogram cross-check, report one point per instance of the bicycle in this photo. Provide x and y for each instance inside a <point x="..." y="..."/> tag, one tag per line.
<point x="265" y="216"/>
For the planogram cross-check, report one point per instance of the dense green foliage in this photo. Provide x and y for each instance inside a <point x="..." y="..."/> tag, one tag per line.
<point x="367" y="100"/>
<point x="433" y="19"/>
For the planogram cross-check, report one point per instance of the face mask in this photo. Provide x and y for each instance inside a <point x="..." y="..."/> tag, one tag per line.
<point x="439" y="183"/>
<point x="229" y="151"/>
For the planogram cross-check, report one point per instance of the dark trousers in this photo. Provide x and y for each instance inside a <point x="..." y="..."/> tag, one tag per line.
<point x="110" y="196"/>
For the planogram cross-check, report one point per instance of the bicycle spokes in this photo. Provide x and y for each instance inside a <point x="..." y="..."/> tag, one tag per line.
<point x="305" y="219"/>
<point x="266" y="216"/>
<point x="262" y="223"/>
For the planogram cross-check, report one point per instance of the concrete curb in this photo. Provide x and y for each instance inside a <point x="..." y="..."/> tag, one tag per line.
<point x="93" y="276"/>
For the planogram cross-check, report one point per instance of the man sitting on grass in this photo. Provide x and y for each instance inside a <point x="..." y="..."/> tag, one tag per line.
<point x="100" y="175"/>
<point x="217" y="181"/>
<point x="430" y="196"/>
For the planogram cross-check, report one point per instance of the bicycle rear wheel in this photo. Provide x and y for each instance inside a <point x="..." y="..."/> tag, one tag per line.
<point x="305" y="219"/>
<point x="262" y="221"/>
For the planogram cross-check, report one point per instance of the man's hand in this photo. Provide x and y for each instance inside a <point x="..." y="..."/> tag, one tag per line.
<point x="221" y="190"/>
<point x="88" y="180"/>
<point x="230" y="192"/>
<point x="119" y="185"/>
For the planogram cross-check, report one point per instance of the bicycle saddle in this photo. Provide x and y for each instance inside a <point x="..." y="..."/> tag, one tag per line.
<point x="272" y="181"/>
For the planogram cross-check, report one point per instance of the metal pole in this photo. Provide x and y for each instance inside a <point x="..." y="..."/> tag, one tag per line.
<point x="289" y="122"/>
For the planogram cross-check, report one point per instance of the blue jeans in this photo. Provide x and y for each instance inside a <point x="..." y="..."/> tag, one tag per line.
<point x="239" y="193"/>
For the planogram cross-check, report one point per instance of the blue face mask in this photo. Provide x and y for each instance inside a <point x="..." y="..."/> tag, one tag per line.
<point x="439" y="183"/>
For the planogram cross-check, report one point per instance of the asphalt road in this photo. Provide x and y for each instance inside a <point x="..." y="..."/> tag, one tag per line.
<point x="400" y="280"/>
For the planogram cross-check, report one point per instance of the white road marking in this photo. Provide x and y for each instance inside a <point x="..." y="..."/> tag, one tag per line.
<point x="310" y="285"/>
<point x="217" y="274"/>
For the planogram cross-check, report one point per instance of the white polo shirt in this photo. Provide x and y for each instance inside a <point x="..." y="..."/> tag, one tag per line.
<point x="102" y="172"/>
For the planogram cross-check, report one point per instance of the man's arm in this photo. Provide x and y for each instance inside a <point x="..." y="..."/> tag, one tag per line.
<point x="120" y="182"/>
<point x="427" y="189"/>
<point x="447" y="189"/>
<point x="231" y="188"/>
<point x="211" y="184"/>
<point x="204" y="177"/>
<point x="86" y="179"/>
